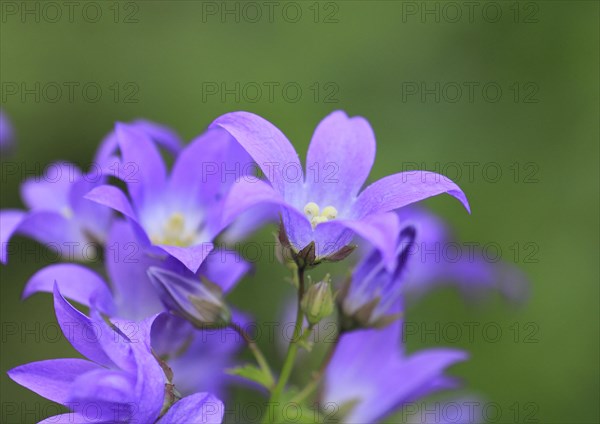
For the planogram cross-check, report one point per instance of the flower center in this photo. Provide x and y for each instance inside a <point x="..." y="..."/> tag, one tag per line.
<point x="174" y="232"/>
<point x="316" y="216"/>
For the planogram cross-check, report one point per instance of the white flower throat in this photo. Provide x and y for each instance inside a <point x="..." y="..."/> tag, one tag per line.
<point x="316" y="216"/>
<point x="174" y="232"/>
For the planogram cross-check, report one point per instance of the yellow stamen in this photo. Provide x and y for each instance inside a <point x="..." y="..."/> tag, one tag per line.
<point x="311" y="210"/>
<point x="173" y="233"/>
<point x="316" y="217"/>
<point x="329" y="212"/>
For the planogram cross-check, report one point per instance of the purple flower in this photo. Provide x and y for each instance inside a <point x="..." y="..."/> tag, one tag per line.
<point x="437" y="259"/>
<point x="199" y="358"/>
<point x="374" y="288"/>
<point x="178" y="214"/>
<point x="6" y="132"/>
<point x="122" y="381"/>
<point x="325" y="204"/>
<point x="370" y="376"/>
<point x="130" y="295"/>
<point x="59" y="216"/>
<point x="106" y="154"/>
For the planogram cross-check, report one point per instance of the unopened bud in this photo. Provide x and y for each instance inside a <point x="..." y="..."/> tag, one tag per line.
<point x="199" y="301"/>
<point x="317" y="303"/>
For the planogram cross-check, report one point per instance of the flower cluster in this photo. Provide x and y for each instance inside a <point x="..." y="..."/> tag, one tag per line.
<point x="157" y="300"/>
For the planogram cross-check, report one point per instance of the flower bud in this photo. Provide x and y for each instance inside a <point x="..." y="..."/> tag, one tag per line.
<point x="198" y="301"/>
<point x="317" y="303"/>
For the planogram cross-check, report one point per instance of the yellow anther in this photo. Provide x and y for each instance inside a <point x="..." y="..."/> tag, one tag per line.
<point x="316" y="217"/>
<point x="329" y="212"/>
<point x="175" y="225"/>
<point x="311" y="209"/>
<point x="317" y="220"/>
<point x="173" y="233"/>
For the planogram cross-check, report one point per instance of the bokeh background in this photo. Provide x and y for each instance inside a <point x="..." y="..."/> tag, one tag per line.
<point x="160" y="60"/>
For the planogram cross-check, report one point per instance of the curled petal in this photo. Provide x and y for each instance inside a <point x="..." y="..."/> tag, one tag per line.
<point x="76" y="282"/>
<point x="398" y="190"/>
<point x="114" y="198"/>
<point x="80" y="330"/>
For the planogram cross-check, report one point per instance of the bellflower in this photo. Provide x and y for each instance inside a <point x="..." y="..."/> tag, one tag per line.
<point x="374" y="289"/>
<point x="325" y="205"/>
<point x="59" y="216"/>
<point x="178" y="214"/>
<point x="6" y="133"/>
<point x="370" y="376"/>
<point x="437" y="259"/>
<point x="106" y="154"/>
<point x="130" y="295"/>
<point x="122" y="381"/>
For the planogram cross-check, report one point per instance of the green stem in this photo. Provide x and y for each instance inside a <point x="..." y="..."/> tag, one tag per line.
<point x="290" y="357"/>
<point x="258" y="355"/>
<point x="316" y="380"/>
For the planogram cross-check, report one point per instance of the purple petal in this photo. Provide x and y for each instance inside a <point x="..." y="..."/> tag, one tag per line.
<point x="176" y="291"/>
<point x="114" y="198"/>
<point x="117" y="339"/>
<point x="139" y="152"/>
<point x="108" y="393"/>
<point x="300" y="232"/>
<point x="192" y="257"/>
<point x="224" y="268"/>
<point x="6" y="132"/>
<point x="93" y="217"/>
<point x="398" y="190"/>
<point x="75" y="281"/>
<point x="50" y="191"/>
<point x="248" y="222"/>
<point x="80" y="331"/>
<point x="150" y="384"/>
<point x="207" y="167"/>
<point x="160" y="134"/>
<point x="52" y="378"/>
<point x="368" y="366"/>
<point x="381" y="230"/>
<point x="420" y="373"/>
<point x="246" y="194"/>
<point x="269" y="148"/>
<point x="126" y="264"/>
<point x="196" y="408"/>
<point x="9" y="222"/>
<point x="68" y="418"/>
<point x="451" y="263"/>
<point x="339" y="159"/>
<point x="56" y="232"/>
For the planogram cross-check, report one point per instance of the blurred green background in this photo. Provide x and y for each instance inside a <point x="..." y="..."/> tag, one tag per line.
<point x="159" y="60"/>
